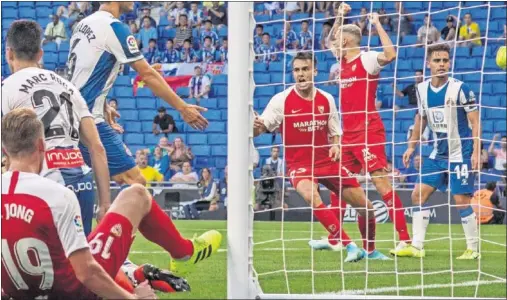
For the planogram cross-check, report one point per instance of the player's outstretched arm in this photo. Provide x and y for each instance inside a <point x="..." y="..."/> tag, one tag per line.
<point x="419" y="126"/>
<point x="338" y="22"/>
<point x="473" y="118"/>
<point x="191" y="113"/>
<point x="94" y="278"/>
<point x="90" y="138"/>
<point x="389" y="53"/>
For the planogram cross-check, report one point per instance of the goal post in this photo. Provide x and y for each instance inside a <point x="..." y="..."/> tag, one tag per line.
<point x="239" y="146"/>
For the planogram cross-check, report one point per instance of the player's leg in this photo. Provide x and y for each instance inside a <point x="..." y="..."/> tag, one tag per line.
<point x="122" y="166"/>
<point x="86" y="198"/>
<point x="308" y="190"/>
<point x="462" y="188"/>
<point x="421" y="214"/>
<point x="373" y="159"/>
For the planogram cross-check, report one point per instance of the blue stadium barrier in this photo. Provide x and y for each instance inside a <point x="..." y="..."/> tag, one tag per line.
<point x="146" y="103"/>
<point x="150" y="139"/>
<point x="197" y="139"/>
<point x="217" y="139"/>
<point x="132" y="127"/>
<point x="146" y="126"/>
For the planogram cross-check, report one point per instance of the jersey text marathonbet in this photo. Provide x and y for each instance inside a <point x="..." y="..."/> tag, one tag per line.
<point x="305" y="126"/>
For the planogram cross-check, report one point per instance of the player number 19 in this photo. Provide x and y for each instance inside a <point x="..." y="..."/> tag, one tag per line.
<point x="42" y="261"/>
<point x="97" y="246"/>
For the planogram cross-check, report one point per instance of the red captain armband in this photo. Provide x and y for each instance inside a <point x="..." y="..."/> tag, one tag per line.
<point x="64" y="158"/>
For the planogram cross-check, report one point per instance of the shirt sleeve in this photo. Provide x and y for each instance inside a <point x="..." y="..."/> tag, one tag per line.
<point x="333" y="123"/>
<point x="370" y="62"/>
<point x="80" y="106"/>
<point x="405" y="90"/>
<point x="69" y="225"/>
<point x="122" y="44"/>
<point x="467" y="98"/>
<point x="273" y="113"/>
<point x="205" y="81"/>
<point x="6" y="100"/>
<point x="422" y="112"/>
<point x="156" y="120"/>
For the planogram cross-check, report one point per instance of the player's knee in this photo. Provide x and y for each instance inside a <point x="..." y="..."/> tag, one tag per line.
<point x="140" y="196"/>
<point x="417" y="198"/>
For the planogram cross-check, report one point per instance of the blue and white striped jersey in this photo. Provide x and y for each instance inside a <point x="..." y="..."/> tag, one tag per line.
<point x="213" y="35"/>
<point x="265" y="52"/>
<point x="446" y="110"/>
<point x="305" y="40"/>
<point x="208" y="54"/>
<point x="99" y="45"/>
<point x="170" y="56"/>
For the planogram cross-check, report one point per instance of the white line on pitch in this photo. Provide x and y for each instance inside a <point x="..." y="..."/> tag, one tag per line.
<point x="302" y="249"/>
<point x="319" y="231"/>
<point x="418" y="287"/>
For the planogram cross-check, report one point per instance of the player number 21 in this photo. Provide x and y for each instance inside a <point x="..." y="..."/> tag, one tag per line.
<point x="22" y="248"/>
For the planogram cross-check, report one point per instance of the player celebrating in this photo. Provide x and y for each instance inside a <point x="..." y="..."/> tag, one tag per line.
<point x="308" y="117"/>
<point x="448" y="106"/>
<point x="364" y="139"/>
<point x="66" y="121"/>
<point x="99" y="45"/>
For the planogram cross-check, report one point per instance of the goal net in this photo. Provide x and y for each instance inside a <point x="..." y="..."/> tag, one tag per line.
<point x="270" y="225"/>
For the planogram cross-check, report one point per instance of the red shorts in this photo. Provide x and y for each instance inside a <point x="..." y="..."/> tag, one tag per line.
<point x="110" y="242"/>
<point x="330" y="175"/>
<point x="370" y="157"/>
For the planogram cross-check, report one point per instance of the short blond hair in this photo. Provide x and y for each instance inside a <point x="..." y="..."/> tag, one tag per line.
<point x="352" y="30"/>
<point x="20" y="131"/>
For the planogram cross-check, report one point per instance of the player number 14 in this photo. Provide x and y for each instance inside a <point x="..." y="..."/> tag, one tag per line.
<point x="462" y="173"/>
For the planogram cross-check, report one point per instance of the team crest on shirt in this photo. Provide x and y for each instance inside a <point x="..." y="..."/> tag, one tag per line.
<point x="321" y="108"/>
<point x="78" y="222"/>
<point x="116" y="230"/>
<point x="354" y="67"/>
<point x="450" y="102"/>
<point x="132" y="44"/>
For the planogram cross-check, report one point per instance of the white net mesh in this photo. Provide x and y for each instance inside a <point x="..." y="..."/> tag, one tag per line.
<point x="283" y="263"/>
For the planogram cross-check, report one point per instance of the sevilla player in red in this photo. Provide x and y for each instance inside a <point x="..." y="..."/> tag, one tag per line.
<point x="45" y="253"/>
<point x="363" y="131"/>
<point x="308" y="119"/>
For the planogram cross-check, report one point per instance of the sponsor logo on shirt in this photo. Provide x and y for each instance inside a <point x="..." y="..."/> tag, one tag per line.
<point x="348" y="82"/>
<point x="309" y="126"/>
<point x="64" y="158"/>
<point x="132" y="44"/>
<point x="78" y="223"/>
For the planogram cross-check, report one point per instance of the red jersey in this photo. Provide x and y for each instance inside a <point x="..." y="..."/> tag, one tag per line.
<point x="41" y="227"/>
<point x="358" y="87"/>
<point x="305" y="126"/>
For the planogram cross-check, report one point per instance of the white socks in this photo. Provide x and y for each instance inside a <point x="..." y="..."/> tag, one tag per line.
<point x="469" y="222"/>
<point x="420" y="221"/>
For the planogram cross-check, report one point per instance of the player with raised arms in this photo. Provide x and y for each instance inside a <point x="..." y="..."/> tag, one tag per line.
<point x="66" y="120"/>
<point x="308" y="121"/>
<point x="449" y="107"/>
<point x="99" y="45"/>
<point x="363" y="142"/>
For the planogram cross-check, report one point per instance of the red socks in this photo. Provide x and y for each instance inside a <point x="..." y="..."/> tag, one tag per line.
<point x="339" y="207"/>
<point x="159" y="229"/>
<point x="367" y="227"/>
<point x="329" y="220"/>
<point x="397" y="215"/>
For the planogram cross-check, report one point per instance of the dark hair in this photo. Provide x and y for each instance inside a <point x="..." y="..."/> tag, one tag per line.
<point x="491" y="185"/>
<point x="113" y="100"/>
<point x="183" y="15"/>
<point x="328" y="24"/>
<point x="225" y="39"/>
<point x="153" y="40"/>
<point x="187" y="40"/>
<point x="468" y="13"/>
<point x="170" y="40"/>
<point x="24" y="38"/>
<point x="438" y="48"/>
<point x="304" y="21"/>
<point x="208" y="37"/>
<point x="305" y="56"/>
<point x="265" y="33"/>
<point x="207" y="21"/>
<point x="259" y="26"/>
<point x="161" y="109"/>
<point x="419" y="70"/>
<point x="197" y="67"/>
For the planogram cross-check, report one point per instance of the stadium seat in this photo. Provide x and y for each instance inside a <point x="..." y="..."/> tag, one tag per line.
<point x="222" y="102"/>
<point x="496" y="114"/>
<point x="9" y="13"/>
<point x="182" y="92"/>
<point x="276" y="77"/>
<point x="219" y="150"/>
<point x="44" y="12"/>
<point x="209" y="103"/>
<point x="220" y="79"/>
<point x="260" y="78"/>
<point x="222" y="32"/>
<point x="144" y="92"/>
<point x="62" y="58"/>
<point x="123" y="80"/>
<point x="146" y="103"/>
<point x="12" y="4"/>
<point x="261" y="18"/>
<point x="146" y="115"/>
<point x="150" y="139"/>
<point x="213" y="115"/>
<point x="146" y="126"/>
<point x="123" y="92"/>
<point x="128" y="103"/>
<point x="197" y="139"/>
<point x="220" y="91"/>
<point x="50" y="58"/>
<point x="263" y="139"/>
<point x="50" y="47"/>
<point x="26" y="4"/>
<point x="217" y="139"/>
<point x="201" y="150"/>
<point x="500" y="126"/>
<point x="409" y="40"/>
<point x="27" y="13"/>
<point x="220" y="162"/>
<point x="264" y="91"/>
<point x="276" y="67"/>
<point x="133" y="138"/>
<point x="176" y="115"/>
<point x="218" y="127"/>
<point x="129" y="115"/>
<point x="260" y="67"/>
<point x="487" y="126"/>
<point x="133" y="127"/>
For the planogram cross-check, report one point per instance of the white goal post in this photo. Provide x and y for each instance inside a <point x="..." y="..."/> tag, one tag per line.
<point x="242" y="280"/>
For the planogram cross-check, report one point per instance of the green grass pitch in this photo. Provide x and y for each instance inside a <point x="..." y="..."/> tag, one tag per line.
<point x="208" y="281"/>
